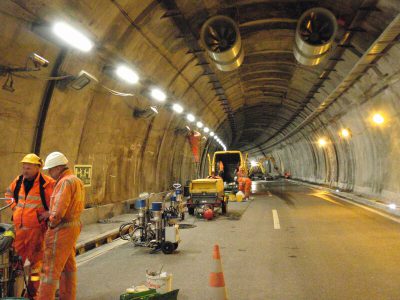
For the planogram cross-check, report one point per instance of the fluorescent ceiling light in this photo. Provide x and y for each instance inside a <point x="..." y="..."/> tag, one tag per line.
<point x="158" y="95"/>
<point x="127" y="74"/>
<point x="72" y="36"/>
<point x="190" y="118"/>
<point x="199" y="124"/>
<point x="177" y="108"/>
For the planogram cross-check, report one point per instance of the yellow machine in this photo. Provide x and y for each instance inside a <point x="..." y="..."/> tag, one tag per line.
<point x="226" y="164"/>
<point x="206" y="194"/>
<point x="257" y="170"/>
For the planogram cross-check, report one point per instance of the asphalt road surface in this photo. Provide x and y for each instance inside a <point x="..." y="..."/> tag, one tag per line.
<point x="289" y="242"/>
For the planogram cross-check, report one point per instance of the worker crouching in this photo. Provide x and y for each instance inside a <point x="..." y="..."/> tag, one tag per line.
<point x="59" y="264"/>
<point x="244" y="183"/>
<point x="31" y="191"/>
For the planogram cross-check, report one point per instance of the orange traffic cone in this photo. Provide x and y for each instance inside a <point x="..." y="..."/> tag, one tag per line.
<point x="217" y="282"/>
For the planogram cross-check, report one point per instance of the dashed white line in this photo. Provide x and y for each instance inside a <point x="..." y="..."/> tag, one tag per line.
<point x="276" y="219"/>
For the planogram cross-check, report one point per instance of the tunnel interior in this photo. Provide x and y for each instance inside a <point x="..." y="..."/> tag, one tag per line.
<point x="270" y="105"/>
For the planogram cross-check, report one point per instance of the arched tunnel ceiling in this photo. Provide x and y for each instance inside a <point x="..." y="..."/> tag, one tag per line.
<point x="258" y="101"/>
<point x="270" y="90"/>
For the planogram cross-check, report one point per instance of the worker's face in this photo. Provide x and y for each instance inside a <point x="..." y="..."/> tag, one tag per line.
<point x="30" y="171"/>
<point x="55" y="172"/>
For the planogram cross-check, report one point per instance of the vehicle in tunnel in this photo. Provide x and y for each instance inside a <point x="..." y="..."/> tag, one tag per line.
<point x="227" y="163"/>
<point x="257" y="171"/>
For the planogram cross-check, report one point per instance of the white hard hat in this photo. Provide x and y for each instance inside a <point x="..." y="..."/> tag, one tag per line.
<point x="55" y="159"/>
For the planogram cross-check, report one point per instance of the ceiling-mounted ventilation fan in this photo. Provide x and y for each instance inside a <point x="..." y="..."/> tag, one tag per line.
<point x="316" y="29"/>
<point x="221" y="38"/>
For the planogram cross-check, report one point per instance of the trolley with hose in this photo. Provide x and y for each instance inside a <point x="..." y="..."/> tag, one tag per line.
<point x="151" y="228"/>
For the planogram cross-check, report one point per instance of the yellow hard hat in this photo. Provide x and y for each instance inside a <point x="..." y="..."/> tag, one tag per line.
<point x="32" y="158"/>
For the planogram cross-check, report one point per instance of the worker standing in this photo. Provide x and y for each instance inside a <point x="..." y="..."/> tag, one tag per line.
<point x="64" y="227"/>
<point x="31" y="191"/>
<point x="220" y="168"/>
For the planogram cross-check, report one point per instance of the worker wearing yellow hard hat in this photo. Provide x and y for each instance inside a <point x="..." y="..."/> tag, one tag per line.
<point x="31" y="192"/>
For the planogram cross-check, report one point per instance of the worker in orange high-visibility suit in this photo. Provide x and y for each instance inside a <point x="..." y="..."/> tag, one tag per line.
<point x="31" y="191"/>
<point x="67" y="203"/>
<point x="220" y="168"/>
<point x="244" y="183"/>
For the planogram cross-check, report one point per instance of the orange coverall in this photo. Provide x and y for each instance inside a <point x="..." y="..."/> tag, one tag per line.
<point x="67" y="203"/>
<point x="29" y="231"/>
<point x="245" y="186"/>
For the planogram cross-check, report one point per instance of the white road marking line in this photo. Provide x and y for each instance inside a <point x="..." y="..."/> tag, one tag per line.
<point x="88" y="256"/>
<point x="368" y="208"/>
<point x="276" y="219"/>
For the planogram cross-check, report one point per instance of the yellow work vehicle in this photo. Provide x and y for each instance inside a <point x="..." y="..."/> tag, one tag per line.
<point x="205" y="194"/>
<point x="226" y="164"/>
<point x="257" y="171"/>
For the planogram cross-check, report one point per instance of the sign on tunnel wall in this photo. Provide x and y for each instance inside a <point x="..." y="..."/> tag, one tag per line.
<point x="84" y="173"/>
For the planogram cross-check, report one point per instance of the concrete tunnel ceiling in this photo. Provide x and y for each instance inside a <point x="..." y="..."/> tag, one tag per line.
<point x="267" y="103"/>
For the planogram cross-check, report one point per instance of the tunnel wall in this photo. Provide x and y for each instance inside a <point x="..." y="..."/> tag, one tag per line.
<point x="92" y="127"/>
<point x="367" y="163"/>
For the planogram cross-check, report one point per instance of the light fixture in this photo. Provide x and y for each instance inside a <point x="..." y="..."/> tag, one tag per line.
<point x="82" y="80"/>
<point x="38" y="60"/>
<point x="378" y="119"/>
<point x="145" y="113"/>
<point x="199" y="124"/>
<point x="190" y="118"/>
<point x="322" y="142"/>
<point x="392" y="206"/>
<point x="206" y="129"/>
<point x="158" y="95"/>
<point x="345" y="133"/>
<point x="72" y="36"/>
<point x="212" y="133"/>
<point x="177" y="108"/>
<point x="127" y="74"/>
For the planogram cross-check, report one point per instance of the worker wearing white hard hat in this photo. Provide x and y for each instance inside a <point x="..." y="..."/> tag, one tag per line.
<point x="67" y="203"/>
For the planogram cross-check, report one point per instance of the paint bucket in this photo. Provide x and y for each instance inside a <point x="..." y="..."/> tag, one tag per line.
<point x="156" y="206"/>
<point x="162" y="282"/>
<point x="239" y="196"/>
<point x="140" y="203"/>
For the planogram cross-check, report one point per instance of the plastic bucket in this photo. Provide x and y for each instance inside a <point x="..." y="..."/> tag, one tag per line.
<point x="239" y="196"/>
<point x="140" y="203"/>
<point x="156" y="206"/>
<point x="161" y="282"/>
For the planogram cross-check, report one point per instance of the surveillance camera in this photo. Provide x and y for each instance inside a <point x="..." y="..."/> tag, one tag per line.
<point x="39" y="61"/>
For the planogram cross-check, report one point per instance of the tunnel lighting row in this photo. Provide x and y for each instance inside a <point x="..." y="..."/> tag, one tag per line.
<point x="79" y="41"/>
<point x="377" y="119"/>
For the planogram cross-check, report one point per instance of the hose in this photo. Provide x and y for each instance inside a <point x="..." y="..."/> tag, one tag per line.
<point x="124" y="230"/>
